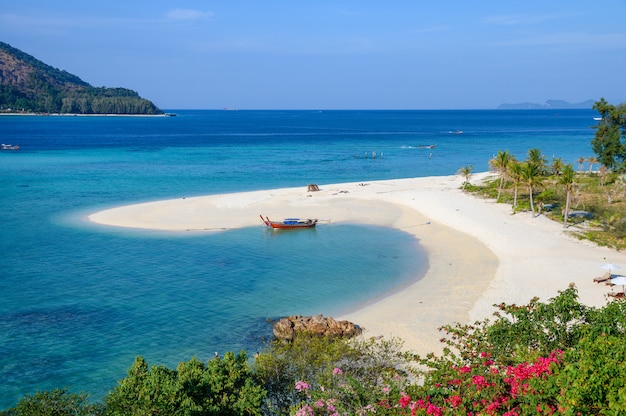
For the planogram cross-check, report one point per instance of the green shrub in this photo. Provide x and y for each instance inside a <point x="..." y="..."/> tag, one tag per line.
<point x="57" y="402"/>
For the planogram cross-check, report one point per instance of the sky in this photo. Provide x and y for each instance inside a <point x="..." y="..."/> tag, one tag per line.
<point x="324" y="54"/>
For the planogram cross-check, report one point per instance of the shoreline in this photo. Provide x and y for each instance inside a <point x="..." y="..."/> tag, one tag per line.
<point x="479" y="254"/>
<point x="84" y="115"/>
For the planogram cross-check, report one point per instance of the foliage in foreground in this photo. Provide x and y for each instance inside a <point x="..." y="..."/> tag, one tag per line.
<point x="558" y="357"/>
<point x="223" y="386"/>
<point x="57" y="402"/>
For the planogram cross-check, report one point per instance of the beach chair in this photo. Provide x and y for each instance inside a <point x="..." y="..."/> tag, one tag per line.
<point x="606" y="276"/>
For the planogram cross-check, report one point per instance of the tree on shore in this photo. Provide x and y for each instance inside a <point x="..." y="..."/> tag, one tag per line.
<point x="515" y="170"/>
<point x="567" y="180"/>
<point x="537" y="158"/>
<point x="501" y="164"/>
<point x="557" y="166"/>
<point x="531" y="175"/>
<point x="466" y="172"/>
<point x="609" y="141"/>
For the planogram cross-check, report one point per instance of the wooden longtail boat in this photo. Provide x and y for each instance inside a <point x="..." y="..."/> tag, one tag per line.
<point x="289" y="223"/>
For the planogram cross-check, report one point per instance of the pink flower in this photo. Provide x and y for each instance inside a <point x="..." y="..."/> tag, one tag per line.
<point x="301" y="385"/>
<point x="433" y="410"/>
<point x="305" y="411"/>
<point x="455" y="401"/>
<point x="480" y="382"/>
<point x="455" y="381"/>
<point x="465" y="369"/>
<point x="337" y="370"/>
<point x="386" y="389"/>
<point x="404" y="401"/>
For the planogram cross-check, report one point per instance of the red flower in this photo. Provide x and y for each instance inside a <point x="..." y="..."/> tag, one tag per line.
<point x="404" y="401"/>
<point x="480" y="382"/>
<point x="455" y="401"/>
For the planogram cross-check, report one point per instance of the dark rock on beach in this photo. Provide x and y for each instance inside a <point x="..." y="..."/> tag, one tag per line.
<point x="286" y="328"/>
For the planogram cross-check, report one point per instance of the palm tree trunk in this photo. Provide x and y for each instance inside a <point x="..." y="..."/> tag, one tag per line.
<point x="515" y="198"/>
<point x="566" y="213"/>
<point x="500" y="188"/>
<point x="532" y="206"/>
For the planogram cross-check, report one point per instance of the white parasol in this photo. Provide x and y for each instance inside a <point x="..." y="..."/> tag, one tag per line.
<point x="610" y="266"/>
<point x="619" y="280"/>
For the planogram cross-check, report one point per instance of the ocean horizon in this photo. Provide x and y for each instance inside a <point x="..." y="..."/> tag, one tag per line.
<point x="81" y="300"/>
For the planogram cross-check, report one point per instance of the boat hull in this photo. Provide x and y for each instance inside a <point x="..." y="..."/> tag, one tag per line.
<point x="289" y="223"/>
<point x="283" y="226"/>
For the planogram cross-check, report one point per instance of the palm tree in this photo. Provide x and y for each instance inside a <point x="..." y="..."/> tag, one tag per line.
<point x="466" y="172"/>
<point x="592" y="161"/>
<point x="557" y="166"/>
<point x="603" y="172"/>
<point x="567" y="180"/>
<point x="500" y="163"/>
<point x="581" y="161"/>
<point x="537" y="158"/>
<point x="531" y="175"/>
<point x="515" y="170"/>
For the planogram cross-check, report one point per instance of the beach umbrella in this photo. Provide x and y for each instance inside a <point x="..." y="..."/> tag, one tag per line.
<point x="609" y="266"/>
<point x="619" y="280"/>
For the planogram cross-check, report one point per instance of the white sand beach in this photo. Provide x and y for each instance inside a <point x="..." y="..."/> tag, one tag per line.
<point x="479" y="253"/>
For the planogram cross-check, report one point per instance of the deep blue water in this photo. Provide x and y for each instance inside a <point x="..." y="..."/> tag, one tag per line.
<point x="79" y="301"/>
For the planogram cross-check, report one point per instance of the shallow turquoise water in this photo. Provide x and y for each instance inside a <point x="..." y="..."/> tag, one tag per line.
<point x="80" y="301"/>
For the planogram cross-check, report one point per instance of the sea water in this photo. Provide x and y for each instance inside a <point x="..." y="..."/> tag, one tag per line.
<point x="78" y="301"/>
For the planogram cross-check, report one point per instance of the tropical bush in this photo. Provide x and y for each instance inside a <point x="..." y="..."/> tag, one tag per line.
<point x="223" y="386"/>
<point x="291" y="372"/>
<point x="559" y="357"/>
<point x="554" y="357"/>
<point x="57" y="402"/>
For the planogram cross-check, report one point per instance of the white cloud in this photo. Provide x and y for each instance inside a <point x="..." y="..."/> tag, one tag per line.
<point x="520" y="19"/>
<point x="617" y="40"/>
<point x="187" y="14"/>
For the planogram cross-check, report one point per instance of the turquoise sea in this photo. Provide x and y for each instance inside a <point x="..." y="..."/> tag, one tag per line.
<point x="79" y="301"/>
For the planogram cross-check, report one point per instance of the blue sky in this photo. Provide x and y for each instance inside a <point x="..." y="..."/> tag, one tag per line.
<point x="324" y="54"/>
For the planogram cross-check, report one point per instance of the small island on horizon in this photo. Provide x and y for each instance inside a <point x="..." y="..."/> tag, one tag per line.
<point x="548" y="105"/>
<point x="29" y="86"/>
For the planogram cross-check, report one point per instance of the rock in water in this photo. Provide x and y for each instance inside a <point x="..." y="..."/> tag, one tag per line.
<point x="286" y="328"/>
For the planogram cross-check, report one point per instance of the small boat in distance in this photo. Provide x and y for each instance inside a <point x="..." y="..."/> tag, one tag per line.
<point x="426" y="146"/>
<point x="10" y="147"/>
<point x="597" y="118"/>
<point x="289" y="223"/>
<point x="457" y="132"/>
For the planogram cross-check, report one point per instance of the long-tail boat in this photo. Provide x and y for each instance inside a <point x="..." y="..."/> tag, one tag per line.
<point x="289" y="223"/>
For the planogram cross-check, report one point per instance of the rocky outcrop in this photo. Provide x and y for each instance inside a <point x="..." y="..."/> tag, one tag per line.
<point x="286" y="328"/>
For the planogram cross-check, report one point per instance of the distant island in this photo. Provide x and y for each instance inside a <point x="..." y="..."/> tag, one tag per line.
<point x="550" y="104"/>
<point x="28" y="85"/>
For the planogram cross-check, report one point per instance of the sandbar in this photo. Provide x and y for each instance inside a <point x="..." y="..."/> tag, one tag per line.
<point x="479" y="253"/>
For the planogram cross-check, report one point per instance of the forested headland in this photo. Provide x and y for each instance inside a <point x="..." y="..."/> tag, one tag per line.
<point x="28" y="85"/>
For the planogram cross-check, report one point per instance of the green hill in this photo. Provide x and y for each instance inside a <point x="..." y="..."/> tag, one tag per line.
<point x="29" y="85"/>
